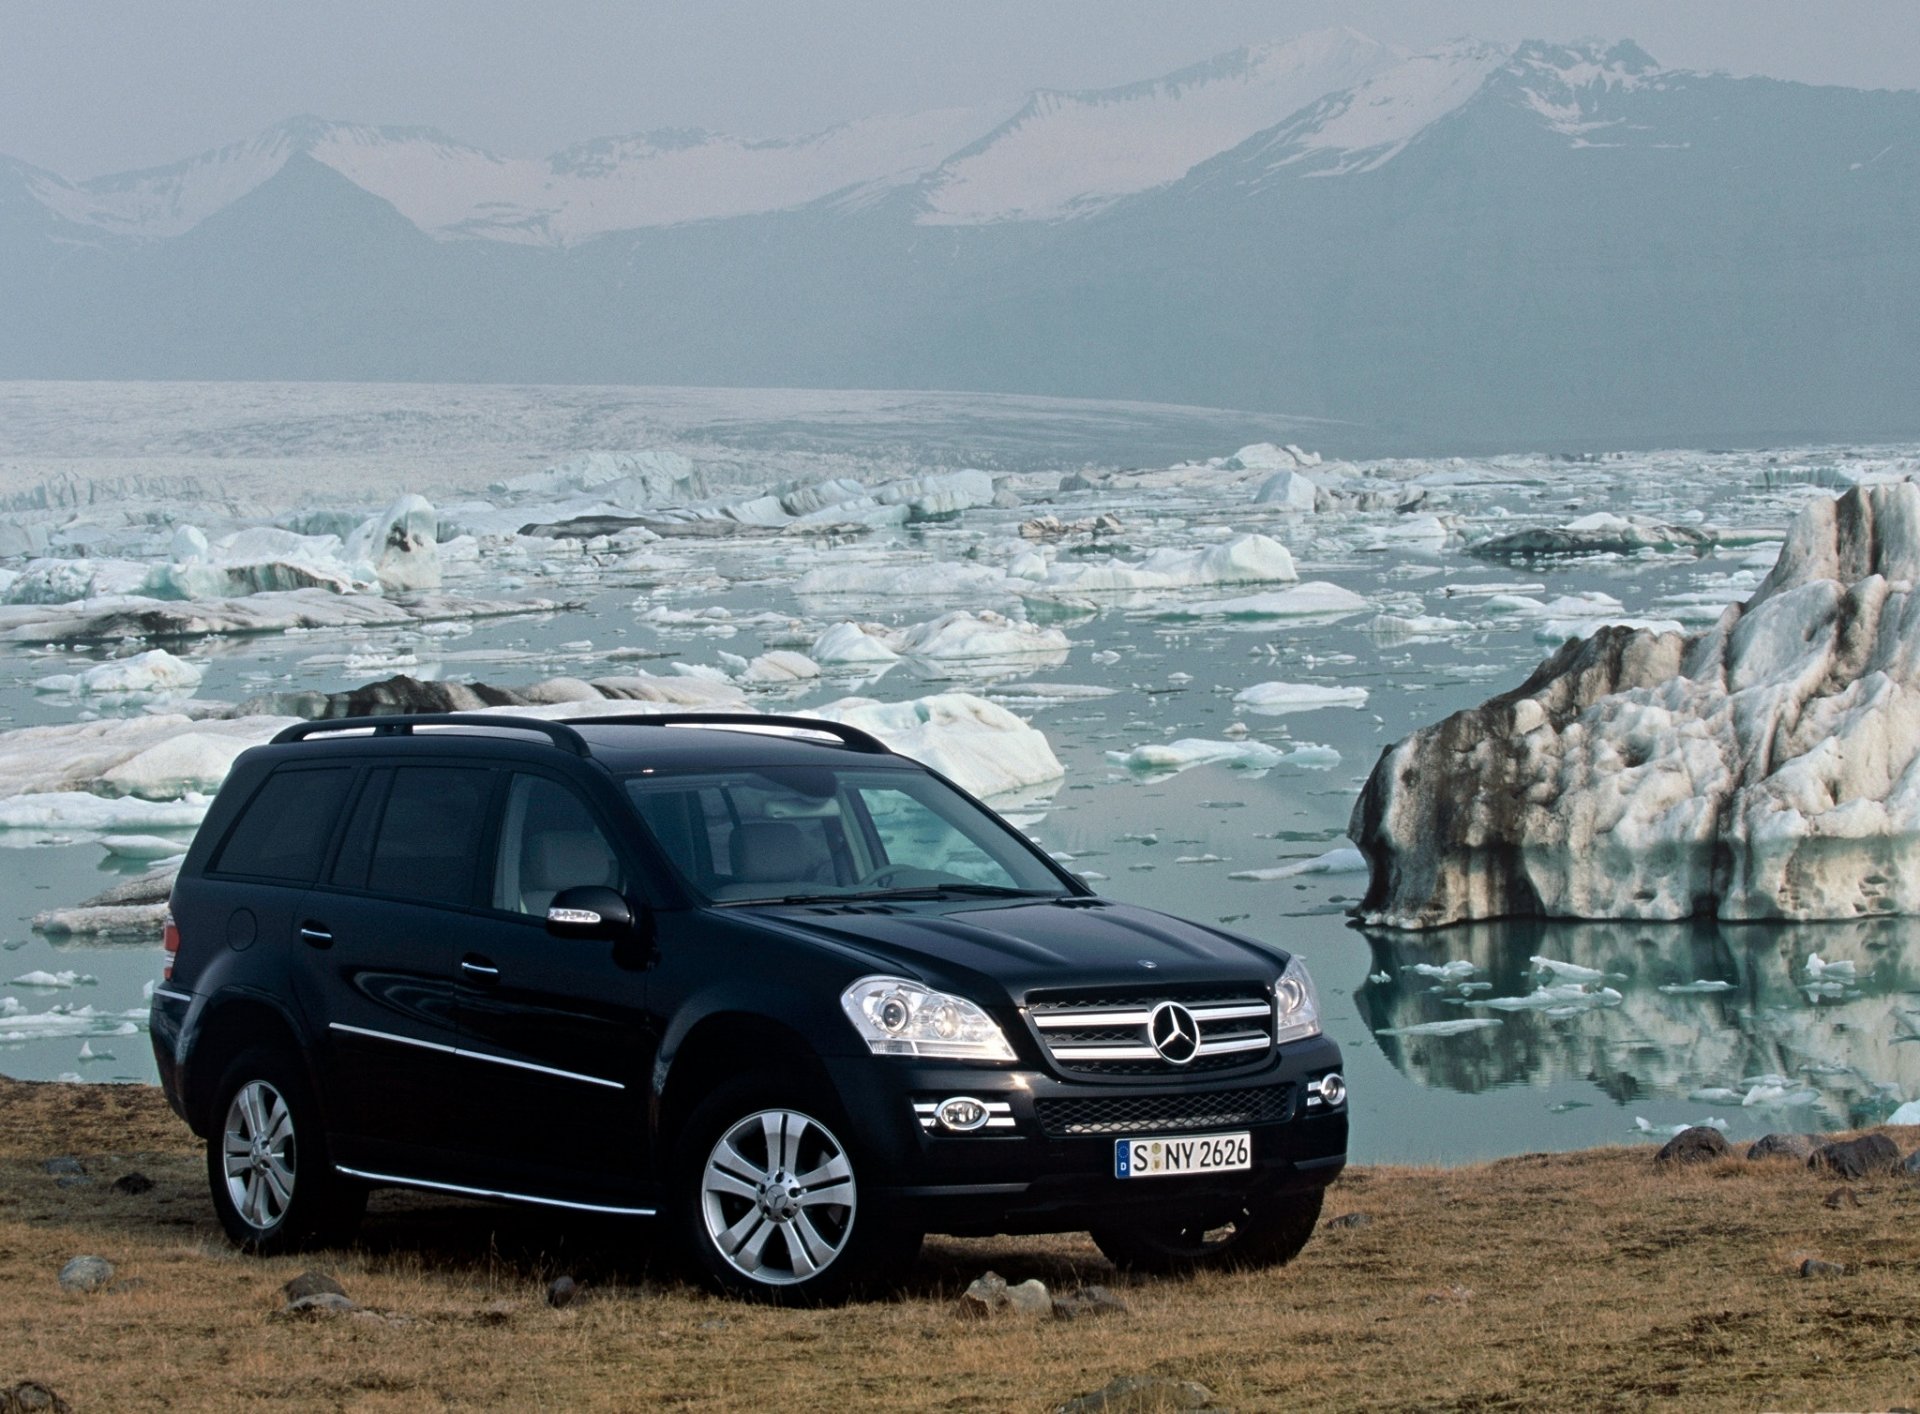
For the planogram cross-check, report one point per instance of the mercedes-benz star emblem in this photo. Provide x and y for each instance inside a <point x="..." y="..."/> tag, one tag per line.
<point x="1174" y="1033"/>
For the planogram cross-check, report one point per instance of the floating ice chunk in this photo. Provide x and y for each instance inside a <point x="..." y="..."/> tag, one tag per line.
<point x="1565" y="999"/>
<point x="191" y="761"/>
<point x="1247" y="755"/>
<point x="1379" y="977"/>
<point x="1669" y="1130"/>
<point x="983" y="635"/>
<point x="945" y="579"/>
<point x="1275" y="698"/>
<point x="77" y="810"/>
<point x="781" y="666"/>
<point x="1819" y="968"/>
<point x="1312" y="600"/>
<point x="1451" y="971"/>
<point x="141" y="846"/>
<point x="400" y="544"/>
<point x="1244" y="559"/>
<point x="854" y="643"/>
<point x="1561" y="630"/>
<point x="938" y="495"/>
<point x="1571" y="971"/>
<point x="1715" y="1095"/>
<point x="258" y="559"/>
<point x="153" y="671"/>
<point x="1289" y="489"/>
<point x="1441" y="1028"/>
<point x="1415" y="626"/>
<point x="979" y="744"/>
<point x="1268" y="456"/>
<point x="1909" y="1113"/>
<point x="1345" y="860"/>
<point x="1779" y="1096"/>
<point x="1687" y="989"/>
<point x="54" y="981"/>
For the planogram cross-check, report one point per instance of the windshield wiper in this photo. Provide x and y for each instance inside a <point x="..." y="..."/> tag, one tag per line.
<point x="941" y="890"/>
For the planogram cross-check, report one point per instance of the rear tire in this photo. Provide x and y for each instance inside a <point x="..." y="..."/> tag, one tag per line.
<point x="769" y="1203"/>
<point x="272" y="1180"/>
<point x="1263" y="1231"/>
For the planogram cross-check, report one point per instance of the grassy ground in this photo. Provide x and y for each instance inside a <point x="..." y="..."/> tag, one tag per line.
<point x="1575" y="1280"/>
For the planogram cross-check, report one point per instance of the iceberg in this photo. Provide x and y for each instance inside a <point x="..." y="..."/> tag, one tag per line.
<point x="978" y="744"/>
<point x="155" y="671"/>
<point x="1768" y="768"/>
<point x="1169" y="757"/>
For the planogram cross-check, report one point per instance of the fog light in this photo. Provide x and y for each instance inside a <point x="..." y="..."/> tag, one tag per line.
<point x="1330" y="1090"/>
<point x="962" y="1113"/>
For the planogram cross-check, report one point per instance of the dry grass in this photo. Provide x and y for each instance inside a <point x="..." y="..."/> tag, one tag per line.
<point x="1567" y="1281"/>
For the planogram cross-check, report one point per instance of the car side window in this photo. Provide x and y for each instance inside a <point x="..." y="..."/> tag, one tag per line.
<point x="284" y="830"/>
<point x="549" y="841"/>
<point x="429" y="834"/>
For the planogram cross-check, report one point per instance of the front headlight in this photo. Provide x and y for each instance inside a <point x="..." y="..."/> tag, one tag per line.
<point x="898" y="1017"/>
<point x="1296" y="1006"/>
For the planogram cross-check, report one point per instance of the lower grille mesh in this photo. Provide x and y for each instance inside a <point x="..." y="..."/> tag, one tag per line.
<point x="1138" y="1114"/>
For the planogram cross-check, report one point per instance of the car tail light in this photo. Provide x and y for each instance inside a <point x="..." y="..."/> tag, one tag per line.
<point x="170" y="940"/>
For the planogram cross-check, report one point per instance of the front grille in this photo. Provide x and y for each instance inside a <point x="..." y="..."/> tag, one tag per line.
<point x="1141" y="1114"/>
<point x="1110" y="1032"/>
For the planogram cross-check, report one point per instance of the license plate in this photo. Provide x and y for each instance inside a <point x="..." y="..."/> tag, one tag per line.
<point x="1199" y="1153"/>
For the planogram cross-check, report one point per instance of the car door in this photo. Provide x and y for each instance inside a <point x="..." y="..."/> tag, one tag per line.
<point x="551" y="1027"/>
<point x="378" y="940"/>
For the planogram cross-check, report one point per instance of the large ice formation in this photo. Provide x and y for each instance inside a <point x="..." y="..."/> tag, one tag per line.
<point x="1766" y="768"/>
<point x="978" y="744"/>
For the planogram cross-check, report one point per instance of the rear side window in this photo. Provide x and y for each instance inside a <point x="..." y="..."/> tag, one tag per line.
<point x="283" y="832"/>
<point x="428" y="842"/>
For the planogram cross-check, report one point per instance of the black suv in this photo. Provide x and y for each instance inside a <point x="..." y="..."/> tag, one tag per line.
<point x="800" y="996"/>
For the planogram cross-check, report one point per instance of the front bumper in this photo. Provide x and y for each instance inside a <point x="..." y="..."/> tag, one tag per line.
<point x="1052" y="1169"/>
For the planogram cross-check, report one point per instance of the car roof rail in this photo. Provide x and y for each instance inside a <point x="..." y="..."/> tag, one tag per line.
<point x="559" y="733"/>
<point x="851" y="737"/>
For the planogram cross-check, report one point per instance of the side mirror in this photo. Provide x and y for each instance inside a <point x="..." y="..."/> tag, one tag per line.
<point x="590" y="911"/>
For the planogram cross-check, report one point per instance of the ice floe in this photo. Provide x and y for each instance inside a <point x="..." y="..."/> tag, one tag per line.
<point x="1171" y="756"/>
<point x="1275" y="698"/>
<point x="155" y="671"/>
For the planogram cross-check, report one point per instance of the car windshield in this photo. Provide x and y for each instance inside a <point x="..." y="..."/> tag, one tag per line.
<point x="770" y="833"/>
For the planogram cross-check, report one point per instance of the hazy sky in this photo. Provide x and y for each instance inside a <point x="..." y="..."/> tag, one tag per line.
<point x="92" y="86"/>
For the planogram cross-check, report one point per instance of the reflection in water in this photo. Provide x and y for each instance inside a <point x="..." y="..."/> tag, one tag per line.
<point x="1852" y="1041"/>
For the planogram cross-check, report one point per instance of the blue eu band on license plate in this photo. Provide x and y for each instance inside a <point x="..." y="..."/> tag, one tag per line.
<point x="1190" y="1153"/>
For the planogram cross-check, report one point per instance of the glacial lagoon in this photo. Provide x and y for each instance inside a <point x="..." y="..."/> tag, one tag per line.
<point x="1459" y="1043"/>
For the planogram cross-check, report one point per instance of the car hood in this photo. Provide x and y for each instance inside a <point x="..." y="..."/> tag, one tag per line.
<point x="1039" y="945"/>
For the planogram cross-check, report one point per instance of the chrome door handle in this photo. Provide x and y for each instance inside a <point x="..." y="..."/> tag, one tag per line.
<point x="316" y="934"/>
<point x="475" y="968"/>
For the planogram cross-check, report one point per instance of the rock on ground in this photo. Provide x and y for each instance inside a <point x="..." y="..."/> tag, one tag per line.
<point x="1140" y="1394"/>
<point x="1864" y="1157"/>
<point x="1784" y="1146"/>
<point x="1766" y="768"/>
<point x="1693" y="1146"/>
<point x="85" y="1274"/>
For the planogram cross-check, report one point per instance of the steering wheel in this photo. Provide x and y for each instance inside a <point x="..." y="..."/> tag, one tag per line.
<point x="890" y="873"/>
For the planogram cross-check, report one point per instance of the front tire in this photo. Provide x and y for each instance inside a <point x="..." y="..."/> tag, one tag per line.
<point x="1261" y="1231"/>
<point x="273" y="1184"/>
<point x="770" y="1203"/>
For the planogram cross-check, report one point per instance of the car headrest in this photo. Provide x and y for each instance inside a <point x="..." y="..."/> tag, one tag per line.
<point x="765" y="850"/>
<point x="567" y="859"/>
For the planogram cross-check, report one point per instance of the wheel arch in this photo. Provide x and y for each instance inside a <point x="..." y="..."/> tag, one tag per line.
<point x="722" y="1047"/>
<point x="230" y="1026"/>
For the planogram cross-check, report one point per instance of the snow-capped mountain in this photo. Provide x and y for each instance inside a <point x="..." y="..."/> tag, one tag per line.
<point x="1479" y="244"/>
<point x="1072" y="154"/>
<point x="1061" y="155"/>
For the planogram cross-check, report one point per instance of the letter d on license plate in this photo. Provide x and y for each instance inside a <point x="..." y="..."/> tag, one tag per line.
<point x="1197" y="1153"/>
